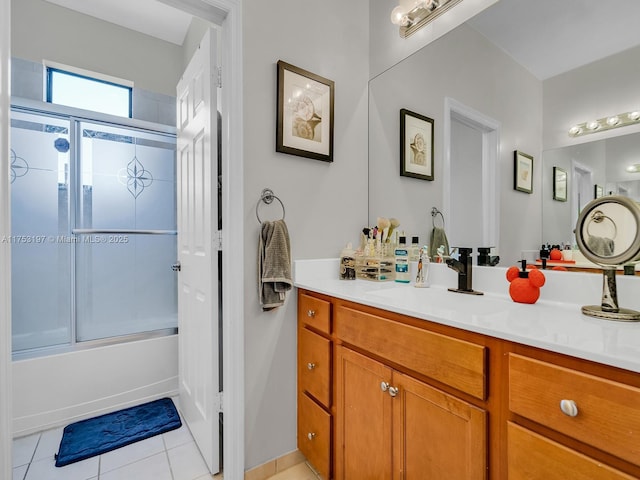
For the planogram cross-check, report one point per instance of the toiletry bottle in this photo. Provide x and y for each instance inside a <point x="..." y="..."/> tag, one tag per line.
<point x="402" y="261"/>
<point x="422" y="276"/>
<point x="414" y="251"/>
<point x="348" y="263"/>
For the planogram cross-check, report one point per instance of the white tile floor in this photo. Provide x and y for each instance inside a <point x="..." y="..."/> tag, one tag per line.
<point x="170" y="456"/>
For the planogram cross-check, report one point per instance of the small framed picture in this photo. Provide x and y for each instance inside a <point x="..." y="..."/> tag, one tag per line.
<point x="522" y="172"/>
<point x="304" y="126"/>
<point x="416" y="145"/>
<point x="598" y="191"/>
<point x="559" y="184"/>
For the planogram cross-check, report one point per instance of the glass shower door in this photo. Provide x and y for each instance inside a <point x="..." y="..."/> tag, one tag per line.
<point x="41" y="241"/>
<point x="126" y="230"/>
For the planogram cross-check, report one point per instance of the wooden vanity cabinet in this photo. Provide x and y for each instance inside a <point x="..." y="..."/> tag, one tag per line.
<point x="315" y="382"/>
<point x="601" y="413"/>
<point x="388" y="423"/>
<point x="390" y="397"/>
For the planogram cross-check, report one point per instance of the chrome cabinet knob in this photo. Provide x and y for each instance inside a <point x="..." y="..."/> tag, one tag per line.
<point x="311" y="366"/>
<point x="384" y="386"/>
<point x="311" y="435"/>
<point x="393" y="391"/>
<point x="569" y="408"/>
<point x="311" y="313"/>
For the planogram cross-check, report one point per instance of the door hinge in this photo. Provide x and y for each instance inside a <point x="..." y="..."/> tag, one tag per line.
<point x="219" y="77"/>
<point x="217" y="239"/>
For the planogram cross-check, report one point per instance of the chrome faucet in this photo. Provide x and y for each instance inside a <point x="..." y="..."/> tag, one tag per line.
<point x="464" y="268"/>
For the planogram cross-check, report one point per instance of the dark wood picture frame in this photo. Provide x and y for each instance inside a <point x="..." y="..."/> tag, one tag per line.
<point x="304" y="123"/>
<point x="416" y="145"/>
<point x="560" y="184"/>
<point x="522" y="172"/>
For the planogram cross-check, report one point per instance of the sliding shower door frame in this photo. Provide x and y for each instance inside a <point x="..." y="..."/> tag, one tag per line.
<point x="76" y="117"/>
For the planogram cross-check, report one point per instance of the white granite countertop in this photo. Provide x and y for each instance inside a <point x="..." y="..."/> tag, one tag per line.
<point x="554" y="323"/>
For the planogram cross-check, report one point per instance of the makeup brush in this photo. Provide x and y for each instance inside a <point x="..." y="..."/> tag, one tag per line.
<point x="383" y="225"/>
<point x="394" y="223"/>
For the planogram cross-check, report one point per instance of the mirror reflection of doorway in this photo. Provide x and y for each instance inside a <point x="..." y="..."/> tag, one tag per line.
<point x="581" y="191"/>
<point x="470" y="202"/>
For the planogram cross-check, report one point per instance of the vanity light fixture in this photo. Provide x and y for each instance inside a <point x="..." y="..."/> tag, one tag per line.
<point x="411" y="15"/>
<point x="635" y="168"/>
<point x="606" y="123"/>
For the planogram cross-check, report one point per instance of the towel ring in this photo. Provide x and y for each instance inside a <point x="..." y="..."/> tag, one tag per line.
<point x="598" y="217"/>
<point x="267" y="196"/>
<point x="434" y="212"/>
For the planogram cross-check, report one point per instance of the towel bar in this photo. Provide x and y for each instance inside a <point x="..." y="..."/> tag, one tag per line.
<point x="267" y="196"/>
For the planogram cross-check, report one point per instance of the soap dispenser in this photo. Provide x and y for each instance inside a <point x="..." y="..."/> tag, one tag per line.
<point x="525" y="284"/>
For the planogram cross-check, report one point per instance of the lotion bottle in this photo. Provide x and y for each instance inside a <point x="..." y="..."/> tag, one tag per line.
<point x="402" y="262"/>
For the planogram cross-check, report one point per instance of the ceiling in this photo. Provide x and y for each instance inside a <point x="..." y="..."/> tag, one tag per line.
<point x="549" y="37"/>
<point x="146" y="16"/>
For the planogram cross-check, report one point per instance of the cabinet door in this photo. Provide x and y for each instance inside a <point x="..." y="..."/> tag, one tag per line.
<point x="363" y="418"/>
<point x="436" y="435"/>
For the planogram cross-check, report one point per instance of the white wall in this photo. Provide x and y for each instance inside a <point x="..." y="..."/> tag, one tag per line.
<point x="387" y="47"/>
<point x="465" y="66"/>
<point x="326" y="203"/>
<point x="597" y="90"/>
<point x="58" y="34"/>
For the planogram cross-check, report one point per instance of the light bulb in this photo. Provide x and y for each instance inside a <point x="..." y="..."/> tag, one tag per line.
<point x="635" y="115"/>
<point x="399" y="16"/>
<point x="593" y="125"/>
<point x="575" y="130"/>
<point x="613" y="121"/>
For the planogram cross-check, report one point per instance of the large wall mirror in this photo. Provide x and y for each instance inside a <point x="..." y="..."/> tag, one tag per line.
<point x="503" y="66"/>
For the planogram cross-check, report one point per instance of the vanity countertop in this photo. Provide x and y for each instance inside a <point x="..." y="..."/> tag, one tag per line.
<point x="550" y="323"/>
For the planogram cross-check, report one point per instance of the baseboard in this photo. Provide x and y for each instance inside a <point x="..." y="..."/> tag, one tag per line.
<point x="270" y="468"/>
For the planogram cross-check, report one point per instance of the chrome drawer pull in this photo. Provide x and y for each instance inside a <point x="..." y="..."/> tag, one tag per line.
<point x="311" y="313"/>
<point x="569" y="408"/>
<point x="311" y="366"/>
<point x="311" y="435"/>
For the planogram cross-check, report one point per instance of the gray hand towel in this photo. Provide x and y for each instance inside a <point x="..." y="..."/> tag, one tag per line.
<point x="438" y="237"/>
<point x="274" y="264"/>
<point x="601" y="246"/>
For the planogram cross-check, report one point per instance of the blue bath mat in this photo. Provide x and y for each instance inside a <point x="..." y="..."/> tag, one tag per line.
<point x="88" y="438"/>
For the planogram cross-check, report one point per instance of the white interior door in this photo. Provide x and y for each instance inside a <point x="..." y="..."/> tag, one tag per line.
<point x="198" y="298"/>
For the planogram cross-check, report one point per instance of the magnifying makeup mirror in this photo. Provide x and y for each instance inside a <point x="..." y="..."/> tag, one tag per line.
<point x="608" y="234"/>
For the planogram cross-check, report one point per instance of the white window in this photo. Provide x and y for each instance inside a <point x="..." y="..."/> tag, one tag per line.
<point x="81" y="89"/>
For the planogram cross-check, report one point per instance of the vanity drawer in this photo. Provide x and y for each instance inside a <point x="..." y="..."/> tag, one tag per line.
<point x="530" y="455"/>
<point x="314" y="434"/>
<point x="608" y="412"/>
<point x="314" y="365"/>
<point x="457" y="363"/>
<point x="314" y="312"/>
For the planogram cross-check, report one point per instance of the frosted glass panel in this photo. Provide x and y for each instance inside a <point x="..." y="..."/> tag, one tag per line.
<point x="40" y="236"/>
<point x="69" y="286"/>
<point x="125" y="282"/>
<point x="127" y="287"/>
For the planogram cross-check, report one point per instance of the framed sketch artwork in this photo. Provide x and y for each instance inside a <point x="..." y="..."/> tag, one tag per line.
<point x="304" y="124"/>
<point x="522" y="172"/>
<point x="416" y="145"/>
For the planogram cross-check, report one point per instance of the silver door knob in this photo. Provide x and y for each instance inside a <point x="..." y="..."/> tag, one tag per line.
<point x="176" y="267"/>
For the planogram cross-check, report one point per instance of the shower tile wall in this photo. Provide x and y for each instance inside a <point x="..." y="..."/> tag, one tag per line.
<point x="27" y="80"/>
